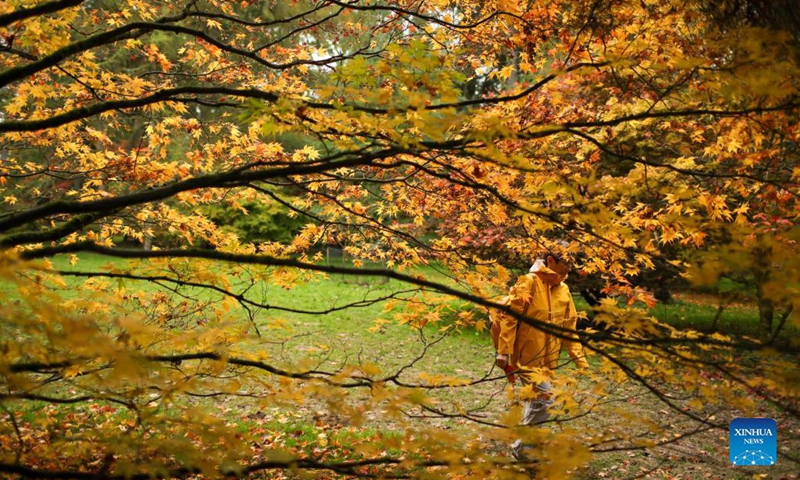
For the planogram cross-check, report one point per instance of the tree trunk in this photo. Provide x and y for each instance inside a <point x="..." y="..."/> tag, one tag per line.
<point x="766" y="309"/>
<point x="593" y="297"/>
<point x="715" y="322"/>
<point x="781" y="323"/>
<point x="766" y="312"/>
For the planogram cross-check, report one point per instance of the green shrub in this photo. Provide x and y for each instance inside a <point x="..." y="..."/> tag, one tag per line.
<point x="263" y="222"/>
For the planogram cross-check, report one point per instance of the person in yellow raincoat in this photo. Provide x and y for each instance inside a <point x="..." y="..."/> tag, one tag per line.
<point x="542" y="295"/>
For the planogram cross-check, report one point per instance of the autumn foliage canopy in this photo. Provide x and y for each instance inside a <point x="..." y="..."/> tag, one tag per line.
<point x="645" y="139"/>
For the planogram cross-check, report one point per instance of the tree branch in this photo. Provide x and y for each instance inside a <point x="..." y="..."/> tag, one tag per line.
<point x="219" y="180"/>
<point x="71" y="226"/>
<point x="237" y="296"/>
<point x="42" y="9"/>
<point x="126" y="31"/>
<point x="165" y="95"/>
<point x="544" y="326"/>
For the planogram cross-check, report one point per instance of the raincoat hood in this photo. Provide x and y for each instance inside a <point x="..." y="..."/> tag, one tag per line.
<point x="548" y="276"/>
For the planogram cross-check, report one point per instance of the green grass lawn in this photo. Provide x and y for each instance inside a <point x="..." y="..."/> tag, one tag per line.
<point x="686" y="311"/>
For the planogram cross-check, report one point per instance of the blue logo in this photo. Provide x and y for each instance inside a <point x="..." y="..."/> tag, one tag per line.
<point x="753" y="442"/>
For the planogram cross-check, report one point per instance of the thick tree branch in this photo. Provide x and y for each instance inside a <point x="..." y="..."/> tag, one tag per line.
<point x="689" y="112"/>
<point x="556" y="330"/>
<point x="38" y="10"/>
<point x="427" y="18"/>
<point x="219" y="180"/>
<point x="683" y="171"/>
<point x="239" y="297"/>
<point x="63" y="401"/>
<point x="345" y="468"/>
<point x="131" y="30"/>
<point x="165" y="95"/>
<point x="174" y="95"/>
<point x="544" y="326"/>
<point x="73" y="225"/>
<point x="248" y="23"/>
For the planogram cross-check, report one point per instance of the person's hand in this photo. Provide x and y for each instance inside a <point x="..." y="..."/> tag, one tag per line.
<point x="501" y="361"/>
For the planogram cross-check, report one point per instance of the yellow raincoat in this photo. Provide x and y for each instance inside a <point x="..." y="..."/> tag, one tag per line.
<point x="542" y="296"/>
